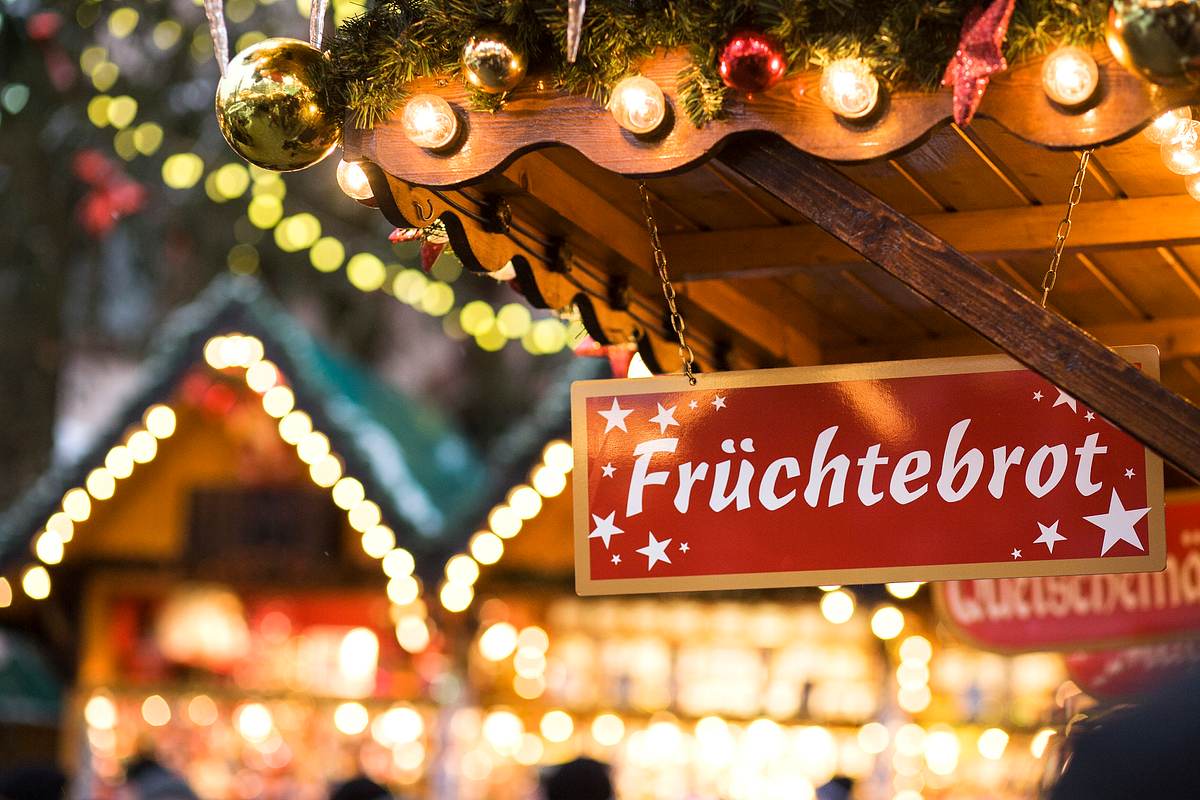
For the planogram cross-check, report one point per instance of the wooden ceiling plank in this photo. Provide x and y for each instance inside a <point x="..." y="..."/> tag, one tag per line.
<point x="1046" y="343"/>
<point x="990" y="233"/>
<point x="955" y="173"/>
<point x="992" y="161"/>
<point x="1105" y="280"/>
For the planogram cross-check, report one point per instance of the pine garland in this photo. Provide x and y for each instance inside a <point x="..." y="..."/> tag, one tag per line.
<point x="906" y="43"/>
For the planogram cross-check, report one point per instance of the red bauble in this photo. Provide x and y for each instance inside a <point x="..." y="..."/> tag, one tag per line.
<point x="751" y="62"/>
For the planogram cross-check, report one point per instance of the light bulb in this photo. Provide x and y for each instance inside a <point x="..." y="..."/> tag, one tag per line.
<point x="1181" y="154"/>
<point x="1070" y="76"/>
<point x="849" y="88"/>
<point x="353" y="180"/>
<point x="1192" y="182"/>
<point x="638" y="104"/>
<point x="429" y="122"/>
<point x="1168" y="125"/>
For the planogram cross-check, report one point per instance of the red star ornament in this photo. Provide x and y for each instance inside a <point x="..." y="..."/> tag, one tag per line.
<point x="979" y="56"/>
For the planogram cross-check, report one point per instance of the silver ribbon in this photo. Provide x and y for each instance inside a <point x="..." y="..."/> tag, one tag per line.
<point x="316" y="22"/>
<point x="215" y="11"/>
<point x="575" y="9"/>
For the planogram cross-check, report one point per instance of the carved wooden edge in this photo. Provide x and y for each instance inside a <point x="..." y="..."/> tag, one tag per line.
<point x="555" y="278"/>
<point x="537" y="115"/>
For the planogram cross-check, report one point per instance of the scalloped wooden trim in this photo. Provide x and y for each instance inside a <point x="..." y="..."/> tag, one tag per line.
<point x="537" y="116"/>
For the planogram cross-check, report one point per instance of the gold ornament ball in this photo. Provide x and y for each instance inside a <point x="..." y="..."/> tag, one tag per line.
<point x="492" y="62"/>
<point x="271" y="109"/>
<point x="1158" y="40"/>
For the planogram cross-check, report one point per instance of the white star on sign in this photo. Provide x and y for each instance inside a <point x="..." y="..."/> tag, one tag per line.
<point x="655" y="551"/>
<point x="1117" y="524"/>
<point x="718" y="402"/>
<point x="1049" y="536"/>
<point x="605" y="529"/>
<point x="1065" y="399"/>
<point x="665" y="418"/>
<point x="683" y="547"/>
<point x="615" y="417"/>
<point x="1089" y="416"/>
<point x="692" y="404"/>
<point x="1129" y="472"/>
<point x="1015" y="553"/>
<point x="608" y="470"/>
<point x="616" y="559"/>
<point x="1038" y="395"/>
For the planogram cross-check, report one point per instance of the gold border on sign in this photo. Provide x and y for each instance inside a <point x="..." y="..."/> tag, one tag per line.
<point x="1154" y="560"/>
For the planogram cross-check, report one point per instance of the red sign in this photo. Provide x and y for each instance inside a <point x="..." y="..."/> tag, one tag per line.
<point x="917" y="470"/>
<point x="1115" y="673"/>
<point x="1068" y="612"/>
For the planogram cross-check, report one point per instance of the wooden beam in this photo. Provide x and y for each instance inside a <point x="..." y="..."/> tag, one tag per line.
<point x="761" y="315"/>
<point x="1041" y="340"/>
<point x="1142" y="222"/>
<point x="1176" y="338"/>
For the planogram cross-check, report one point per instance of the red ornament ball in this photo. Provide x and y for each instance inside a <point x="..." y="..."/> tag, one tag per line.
<point x="751" y="62"/>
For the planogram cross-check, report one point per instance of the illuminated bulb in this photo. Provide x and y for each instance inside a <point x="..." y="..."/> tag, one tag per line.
<point x="849" y="89"/>
<point x="156" y="711"/>
<point x="548" y="482"/>
<point x="638" y="104"/>
<point x="404" y="589"/>
<point x="294" y="426"/>
<point x="1181" y="153"/>
<point x="910" y="739"/>
<point x="462" y="569"/>
<point x="903" y="591"/>
<point x="262" y="376"/>
<point x="353" y="180"/>
<point x="253" y="722"/>
<point x="638" y="368"/>
<point x="412" y="633"/>
<point x="487" y="547"/>
<point x="364" y="516"/>
<point x="529" y="687"/>
<point x="873" y="738"/>
<point x="119" y="462"/>
<point x="525" y="501"/>
<point x="6" y="593"/>
<point x="534" y="638"/>
<point x="531" y="750"/>
<point x="36" y="582"/>
<point x="378" y="541"/>
<point x="429" y="122"/>
<point x="456" y="597"/>
<point x="351" y="718"/>
<point x="312" y="447"/>
<point x="48" y="547"/>
<point x="912" y="674"/>
<point x="887" y="622"/>
<point x="398" y="725"/>
<point x="1041" y="739"/>
<point x="409" y="757"/>
<point x="160" y="421"/>
<point x="398" y="563"/>
<point x="1192" y="183"/>
<point x="830" y="587"/>
<point x="498" y="642"/>
<point x="77" y="505"/>
<point x="202" y="711"/>
<point x="557" y="726"/>
<point x="504" y="522"/>
<point x="558" y="455"/>
<point x="61" y="524"/>
<point x="941" y="752"/>
<point x="101" y="484"/>
<point x="142" y="447"/>
<point x="608" y="730"/>
<point x="100" y="712"/>
<point x="992" y="744"/>
<point x="214" y="350"/>
<point x="347" y="493"/>
<point x="916" y="648"/>
<point x="503" y="730"/>
<point x="326" y="471"/>
<point x="914" y="700"/>
<point x="837" y="606"/>
<point x="1168" y="125"/>
<point x="278" y="401"/>
<point x="1070" y="76"/>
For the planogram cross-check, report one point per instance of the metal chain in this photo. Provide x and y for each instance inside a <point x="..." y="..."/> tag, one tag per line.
<point x="1064" y="227"/>
<point x="660" y="261"/>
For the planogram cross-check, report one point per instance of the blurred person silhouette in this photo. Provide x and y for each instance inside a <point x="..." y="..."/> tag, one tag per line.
<point x="1148" y="750"/>
<point x="360" y="788"/>
<point x="581" y="779"/>
<point x="838" y="788"/>
<point x="32" y="783"/>
<point x="147" y="779"/>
